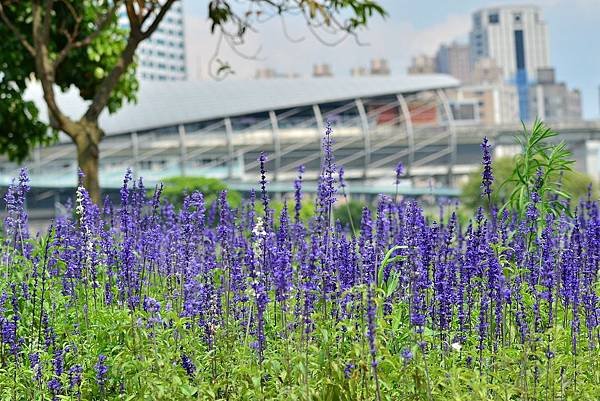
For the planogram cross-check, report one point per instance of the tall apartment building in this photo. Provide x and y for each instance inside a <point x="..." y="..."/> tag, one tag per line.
<point x="161" y="57"/>
<point x="454" y="59"/>
<point x="516" y="38"/>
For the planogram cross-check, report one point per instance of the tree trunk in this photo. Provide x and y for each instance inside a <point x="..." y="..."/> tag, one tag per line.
<point x="87" y="141"/>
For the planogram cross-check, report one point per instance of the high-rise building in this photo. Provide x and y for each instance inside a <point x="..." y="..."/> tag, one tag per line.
<point x="422" y="64"/>
<point x="454" y="59"/>
<point x="552" y="101"/>
<point x="161" y="57"/>
<point x="516" y="38"/>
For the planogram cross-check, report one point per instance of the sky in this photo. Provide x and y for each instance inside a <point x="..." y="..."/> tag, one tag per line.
<point x="412" y="27"/>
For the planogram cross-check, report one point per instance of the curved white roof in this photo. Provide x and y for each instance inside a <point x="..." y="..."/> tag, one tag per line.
<point x="167" y="103"/>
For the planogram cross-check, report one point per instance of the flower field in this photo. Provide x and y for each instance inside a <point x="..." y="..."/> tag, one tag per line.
<point x="146" y="300"/>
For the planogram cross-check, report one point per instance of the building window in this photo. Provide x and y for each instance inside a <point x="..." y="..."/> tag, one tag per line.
<point x="494" y="18"/>
<point x="520" y="49"/>
<point x="517" y="17"/>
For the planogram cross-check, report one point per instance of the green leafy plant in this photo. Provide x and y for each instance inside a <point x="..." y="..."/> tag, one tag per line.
<point x="573" y="182"/>
<point x="539" y="169"/>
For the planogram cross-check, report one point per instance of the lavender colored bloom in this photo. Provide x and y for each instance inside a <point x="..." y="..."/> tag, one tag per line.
<point x="298" y="194"/>
<point x="75" y="373"/>
<point x="16" y="221"/>
<point x="55" y="386"/>
<point x="188" y="365"/>
<point x="371" y="329"/>
<point x="326" y="185"/>
<point x="151" y="305"/>
<point x="487" y="177"/>
<point x="407" y="355"/>
<point x="263" y="181"/>
<point x="399" y="172"/>
<point x="34" y="363"/>
<point x="348" y="370"/>
<point x="58" y="362"/>
<point x="341" y="180"/>
<point x="101" y="370"/>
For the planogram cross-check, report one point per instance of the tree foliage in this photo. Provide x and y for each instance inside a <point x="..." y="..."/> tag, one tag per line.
<point x="82" y="67"/>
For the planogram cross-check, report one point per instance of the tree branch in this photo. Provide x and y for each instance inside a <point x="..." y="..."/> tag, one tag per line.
<point x="136" y="35"/>
<point x="45" y="71"/>
<point x="163" y="10"/>
<point x="108" y="84"/>
<point x="101" y="24"/>
<point x="16" y="31"/>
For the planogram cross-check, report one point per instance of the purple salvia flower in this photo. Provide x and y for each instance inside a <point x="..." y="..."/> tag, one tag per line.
<point x="16" y="221"/>
<point x="263" y="181"/>
<point x="58" y="362"/>
<point x="341" y="179"/>
<point x="188" y="365"/>
<point x="75" y="373"/>
<point x="298" y="194"/>
<point x="55" y="386"/>
<point x="407" y="355"/>
<point x="399" y="172"/>
<point x="487" y="178"/>
<point x="34" y="363"/>
<point x="101" y="371"/>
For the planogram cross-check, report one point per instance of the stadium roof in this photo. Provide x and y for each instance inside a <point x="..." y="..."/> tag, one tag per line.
<point x="168" y="103"/>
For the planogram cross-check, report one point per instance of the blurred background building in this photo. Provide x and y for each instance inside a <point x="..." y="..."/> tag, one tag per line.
<point x="422" y="64"/>
<point x="454" y="60"/>
<point x="504" y="68"/>
<point x="162" y="56"/>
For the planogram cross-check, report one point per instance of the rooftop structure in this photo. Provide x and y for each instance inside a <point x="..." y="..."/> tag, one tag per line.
<point x="218" y="129"/>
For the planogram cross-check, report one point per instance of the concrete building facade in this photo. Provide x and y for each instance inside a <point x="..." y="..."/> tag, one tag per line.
<point x="553" y="101"/>
<point x="422" y="64"/>
<point x="454" y="59"/>
<point x="516" y="37"/>
<point x="162" y="56"/>
<point x="485" y="104"/>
